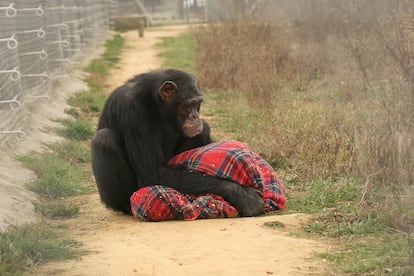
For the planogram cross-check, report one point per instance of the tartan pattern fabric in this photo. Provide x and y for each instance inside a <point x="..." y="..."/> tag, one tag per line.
<point x="159" y="203"/>
<point x="231" y="160"/>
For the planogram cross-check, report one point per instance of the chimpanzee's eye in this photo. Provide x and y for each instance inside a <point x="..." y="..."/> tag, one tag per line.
<point x="190" y="107"/>
<point x="196" y="107"/>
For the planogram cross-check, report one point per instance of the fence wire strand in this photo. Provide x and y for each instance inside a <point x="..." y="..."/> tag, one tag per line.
<point x="39" y="39"/>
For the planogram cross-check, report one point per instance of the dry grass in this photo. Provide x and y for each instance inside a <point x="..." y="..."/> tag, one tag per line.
<point x="322" y="99"/>
<point x="300" y="129"/>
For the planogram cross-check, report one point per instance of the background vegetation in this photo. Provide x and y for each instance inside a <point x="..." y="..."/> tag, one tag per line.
<point x="328" y="99"/>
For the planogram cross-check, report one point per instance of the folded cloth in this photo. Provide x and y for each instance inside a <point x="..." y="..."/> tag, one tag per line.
<point x="231" y="160"/>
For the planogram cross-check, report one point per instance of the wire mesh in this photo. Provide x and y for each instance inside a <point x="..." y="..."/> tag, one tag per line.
<point x="38" y="40"/>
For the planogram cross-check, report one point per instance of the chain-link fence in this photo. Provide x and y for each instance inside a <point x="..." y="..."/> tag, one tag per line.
<point x="39" y="39"/>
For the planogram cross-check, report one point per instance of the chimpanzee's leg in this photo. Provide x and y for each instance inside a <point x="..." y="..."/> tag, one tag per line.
<point x="113" y="175"/>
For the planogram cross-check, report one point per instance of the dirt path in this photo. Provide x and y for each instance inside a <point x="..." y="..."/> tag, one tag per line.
<point x="122" y="245"/>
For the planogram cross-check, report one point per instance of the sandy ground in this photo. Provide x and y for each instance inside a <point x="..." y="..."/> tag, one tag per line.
<point x="122" y="245"/>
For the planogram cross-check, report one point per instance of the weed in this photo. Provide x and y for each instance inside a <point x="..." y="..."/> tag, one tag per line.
<point x="78" y="129"/>
<point x="322" y="194"/>
<point x="23" y="247"/>
<point x="58" y="210"/>
<point x="87" y="102"/>
<point x="274" y="224"/>
<point x="94" y="82"/>
<point x="55" y="177"/>
<point x="113" y="49"/>
<point x="98" y="66"/>
<point x="72" y="151"/>
<point x="384" y="255"/>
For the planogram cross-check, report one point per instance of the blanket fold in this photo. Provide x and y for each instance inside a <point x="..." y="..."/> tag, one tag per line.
<point x="231" y="160"/>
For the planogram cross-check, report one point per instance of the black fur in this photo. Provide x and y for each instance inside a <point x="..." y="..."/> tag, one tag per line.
<point x="138" y="133"/>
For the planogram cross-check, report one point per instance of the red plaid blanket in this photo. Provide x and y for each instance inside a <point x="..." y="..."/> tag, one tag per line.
<point x="230" y="160"/>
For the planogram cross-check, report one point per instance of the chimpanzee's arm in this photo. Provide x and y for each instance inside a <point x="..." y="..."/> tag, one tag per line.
<point x="245" y="199"/>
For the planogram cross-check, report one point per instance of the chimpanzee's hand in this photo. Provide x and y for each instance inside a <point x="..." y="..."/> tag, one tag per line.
<point x="247" y="200"/>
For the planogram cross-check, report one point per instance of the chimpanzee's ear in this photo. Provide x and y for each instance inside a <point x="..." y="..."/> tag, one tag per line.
<point x="167" y="90"/>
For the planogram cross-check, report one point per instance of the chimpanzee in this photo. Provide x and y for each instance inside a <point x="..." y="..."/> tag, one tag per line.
<point x="144" y="123"/>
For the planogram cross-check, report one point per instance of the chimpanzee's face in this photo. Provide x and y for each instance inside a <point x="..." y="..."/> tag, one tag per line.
<point x="184" y="103"/>
<point x="188" y="111"/>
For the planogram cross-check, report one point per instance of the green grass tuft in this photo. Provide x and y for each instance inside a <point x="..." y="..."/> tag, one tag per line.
<point x="113" y="48"/>
<point x="78" y="129"/>
<point x="88" y="102"/>
<point x="55" y="177"/>
<point x="24" y="247"/>
<point x="72" y="151"/>
<point x="58" y="210"/>
<point x="384" y="256"/>
<point x="323" y="194"/>
<point x="274" y="224"/>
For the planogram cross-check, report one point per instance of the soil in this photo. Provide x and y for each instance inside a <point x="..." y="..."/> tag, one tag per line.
<point x="117" y="244"/>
